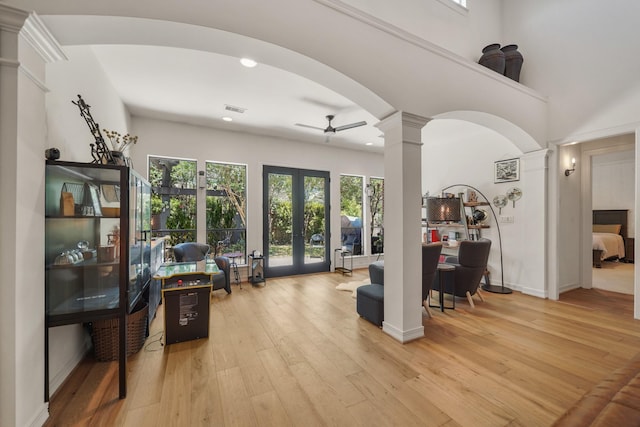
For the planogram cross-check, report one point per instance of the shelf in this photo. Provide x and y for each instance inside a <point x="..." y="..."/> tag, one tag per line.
<point x="474" y="204"/>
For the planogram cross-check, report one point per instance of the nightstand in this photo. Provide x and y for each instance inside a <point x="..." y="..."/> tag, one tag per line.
<point x="629" y="249"/>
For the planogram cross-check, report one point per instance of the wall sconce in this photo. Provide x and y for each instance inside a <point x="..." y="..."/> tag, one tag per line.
<point x="568" y="172"/>
<point x="202" y="180"/>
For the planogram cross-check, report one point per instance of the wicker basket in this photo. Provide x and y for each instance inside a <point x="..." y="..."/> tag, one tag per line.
<point x="104" y="334"/>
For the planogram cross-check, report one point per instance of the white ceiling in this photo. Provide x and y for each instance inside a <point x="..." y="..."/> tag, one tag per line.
<point x="194" y="87"/>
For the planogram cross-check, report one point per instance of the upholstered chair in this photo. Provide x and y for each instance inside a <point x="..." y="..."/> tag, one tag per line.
<point x="370" y="298"/>
<point x="190" y="251"/>
<point x="430" y="258"/>
<point x="470" y="266"/>
<point x="193" y="251"/>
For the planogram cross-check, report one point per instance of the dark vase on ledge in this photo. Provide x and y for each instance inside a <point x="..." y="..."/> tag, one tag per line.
<point x="493" y="58"/>
<point x="513" y="62"/>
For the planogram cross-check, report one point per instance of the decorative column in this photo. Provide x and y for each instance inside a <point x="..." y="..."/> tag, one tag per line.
<point x="11" y="21"/>
<point x="25" y="48"/>
<point x="402" y="225"/>
<point x="534" y="206"/>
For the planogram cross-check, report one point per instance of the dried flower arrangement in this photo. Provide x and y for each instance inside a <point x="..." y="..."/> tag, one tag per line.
<point x="117" y="143"/>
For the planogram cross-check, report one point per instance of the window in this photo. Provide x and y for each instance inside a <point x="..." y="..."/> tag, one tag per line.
<point x="351" y="212"/>
<point x="375" y="194"/>
<point x="173" y="199"/>
<point x="227" y="209"/>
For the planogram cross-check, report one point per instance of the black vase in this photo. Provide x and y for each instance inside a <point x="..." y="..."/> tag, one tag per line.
<point x="513" y="62"/>
<point x="493" y="58"/>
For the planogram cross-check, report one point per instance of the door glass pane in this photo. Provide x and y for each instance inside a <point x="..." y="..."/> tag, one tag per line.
<point x="279" y="216"/>
<point x="314" y="221"/>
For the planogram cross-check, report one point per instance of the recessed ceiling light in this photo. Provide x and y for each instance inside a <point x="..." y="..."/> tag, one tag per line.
<point x="227" y="119"/>
<point x="369" y="143"/>
<point x="247" y="62"/>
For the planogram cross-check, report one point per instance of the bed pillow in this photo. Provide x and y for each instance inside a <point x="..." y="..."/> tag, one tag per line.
<point x="607" y="228"/>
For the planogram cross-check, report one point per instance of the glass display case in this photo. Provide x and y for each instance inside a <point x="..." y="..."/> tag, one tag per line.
<point x="97" y="241"/>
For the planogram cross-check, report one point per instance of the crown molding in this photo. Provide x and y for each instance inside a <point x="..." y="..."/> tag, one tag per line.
<point x="398" y="32"/>
<point x="11" y="18"/>
<point x="40" y="38"/>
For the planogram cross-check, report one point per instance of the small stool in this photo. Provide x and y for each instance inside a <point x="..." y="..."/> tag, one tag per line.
<point x="233" y="265"/>
<point x="370" y="303"/>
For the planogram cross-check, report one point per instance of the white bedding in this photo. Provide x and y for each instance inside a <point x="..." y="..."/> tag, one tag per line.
<point x="610" y="244"/>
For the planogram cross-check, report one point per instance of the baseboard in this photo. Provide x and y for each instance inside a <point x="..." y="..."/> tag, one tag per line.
<point x="540" y="293"/>
<point x="568" y="287"/>
<point x="57" y="381"/>
<point x="403" y="336"/>
<point x="40" y="417"/>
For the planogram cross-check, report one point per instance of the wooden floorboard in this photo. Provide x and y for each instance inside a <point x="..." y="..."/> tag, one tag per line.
<point x="295" y="352"/>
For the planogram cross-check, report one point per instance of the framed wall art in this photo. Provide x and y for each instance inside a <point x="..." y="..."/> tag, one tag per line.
<point x="506" y="170"/>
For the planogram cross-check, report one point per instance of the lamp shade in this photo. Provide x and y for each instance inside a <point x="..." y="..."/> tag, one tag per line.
<point x="441" y="209"/>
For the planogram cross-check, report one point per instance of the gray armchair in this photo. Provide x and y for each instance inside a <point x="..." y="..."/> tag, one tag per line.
<point x="430" y="258"/>
<point x="193" y="251"/>
<point x="470" y="266"/>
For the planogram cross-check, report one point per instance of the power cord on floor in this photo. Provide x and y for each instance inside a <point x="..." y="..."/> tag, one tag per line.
<point x="153" y="344"/>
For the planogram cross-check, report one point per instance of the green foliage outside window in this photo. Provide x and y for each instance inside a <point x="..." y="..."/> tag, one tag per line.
<point x="351" y="195"/>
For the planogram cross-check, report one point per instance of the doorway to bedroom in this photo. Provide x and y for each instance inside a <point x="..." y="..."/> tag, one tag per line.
<point x="613" y="188"/>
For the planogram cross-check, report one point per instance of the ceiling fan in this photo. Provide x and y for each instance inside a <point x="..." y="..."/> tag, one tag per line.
<point x="330" y="130"/>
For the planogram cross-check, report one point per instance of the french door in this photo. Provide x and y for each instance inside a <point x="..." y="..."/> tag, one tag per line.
<point x="295" y="221"/>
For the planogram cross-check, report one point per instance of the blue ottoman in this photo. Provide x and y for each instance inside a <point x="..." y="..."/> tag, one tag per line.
<point x="370" y="303"/>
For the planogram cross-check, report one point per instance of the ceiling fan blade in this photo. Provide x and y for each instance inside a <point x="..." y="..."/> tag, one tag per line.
<point x="308" y="126"/>
<point x="350" y="126"/>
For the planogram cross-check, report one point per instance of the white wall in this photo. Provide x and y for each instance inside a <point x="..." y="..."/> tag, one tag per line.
<point x="569" y="238"/>
<point x="442" y="22"/>
<point x="579" y="54"/>
<point x="613" y="183"/>
<point x="82" y="75"/>
<point x="458" y="152"/>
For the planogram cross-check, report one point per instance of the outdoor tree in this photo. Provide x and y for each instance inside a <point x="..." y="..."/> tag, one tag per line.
<point x="230" y="179"/>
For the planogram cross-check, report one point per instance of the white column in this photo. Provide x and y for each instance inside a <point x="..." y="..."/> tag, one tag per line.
<point x="402" y="220"/>
<point x="534" y="200"/>
<point x="636" y="223"/>
<point x="11" y="20"/>
<point x="25" y="47"/>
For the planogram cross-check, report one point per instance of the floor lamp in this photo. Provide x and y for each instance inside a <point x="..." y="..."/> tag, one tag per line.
<point x="487" y="287"/>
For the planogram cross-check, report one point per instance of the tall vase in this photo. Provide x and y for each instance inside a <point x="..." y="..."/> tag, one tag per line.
<point x="513" y="62"/>
<point x="493" y="58"/>
<point x="119" y="158"/>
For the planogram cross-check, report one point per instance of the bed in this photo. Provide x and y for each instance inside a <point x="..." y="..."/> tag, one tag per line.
<point x="609" y="230"/>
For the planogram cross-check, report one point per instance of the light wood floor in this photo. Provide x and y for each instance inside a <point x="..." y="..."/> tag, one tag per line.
<point x="296" y="353"/>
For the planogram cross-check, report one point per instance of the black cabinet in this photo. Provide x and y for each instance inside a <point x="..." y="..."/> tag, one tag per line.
<point x="97" y="245"/>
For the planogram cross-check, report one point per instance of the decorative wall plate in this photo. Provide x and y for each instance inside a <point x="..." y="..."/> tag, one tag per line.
<point x="514" y="194"/>
<point x="500" y="201"/>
